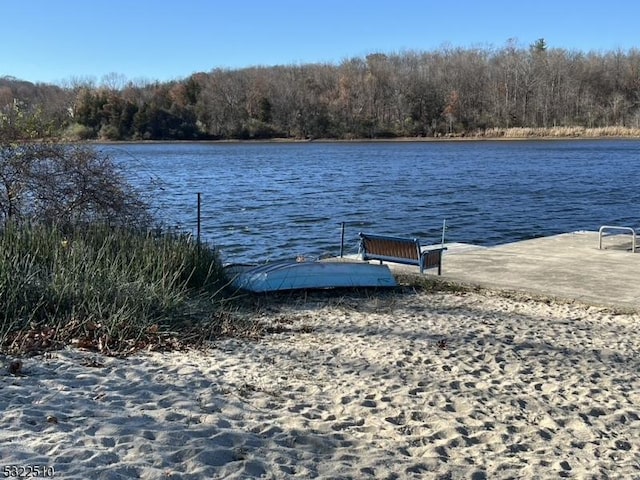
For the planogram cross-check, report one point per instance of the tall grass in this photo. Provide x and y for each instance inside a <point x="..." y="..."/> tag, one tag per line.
<point x="557" y="132"/>
<point x="109" y="289"/>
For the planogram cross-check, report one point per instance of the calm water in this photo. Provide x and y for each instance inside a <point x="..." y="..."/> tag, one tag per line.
<point x="266" y="201"/>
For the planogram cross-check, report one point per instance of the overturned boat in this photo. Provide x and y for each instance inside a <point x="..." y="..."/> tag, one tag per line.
<point x="299" y="275"/>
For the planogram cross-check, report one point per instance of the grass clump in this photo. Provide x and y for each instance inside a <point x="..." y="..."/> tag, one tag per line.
<point x="112" y="289"/>
<point x="430" y="284"/>
<point x="558" y="132"/>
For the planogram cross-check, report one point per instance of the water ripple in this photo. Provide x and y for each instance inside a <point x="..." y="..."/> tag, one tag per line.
<point x="271" y="201"/>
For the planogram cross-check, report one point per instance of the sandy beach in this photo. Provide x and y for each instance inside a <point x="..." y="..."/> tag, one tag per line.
<point x="470" y="385"/>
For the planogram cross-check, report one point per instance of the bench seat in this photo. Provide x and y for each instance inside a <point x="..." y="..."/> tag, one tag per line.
<point x="400" y="250"/>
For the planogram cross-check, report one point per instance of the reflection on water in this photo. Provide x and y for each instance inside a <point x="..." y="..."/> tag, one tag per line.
<point x="270" y="200"/>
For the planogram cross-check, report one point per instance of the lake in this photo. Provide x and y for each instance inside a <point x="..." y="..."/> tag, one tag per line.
<point x="266" y="201"/>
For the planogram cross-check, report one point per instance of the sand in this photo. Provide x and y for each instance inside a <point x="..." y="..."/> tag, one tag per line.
<point x="441" y="385"/>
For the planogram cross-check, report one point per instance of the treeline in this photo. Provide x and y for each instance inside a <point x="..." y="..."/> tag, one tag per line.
<point x="448" y="92"/>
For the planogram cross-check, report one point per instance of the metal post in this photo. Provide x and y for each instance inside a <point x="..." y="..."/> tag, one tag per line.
<point x="341" y="239"/>
<point x="444" y="227"/>
<point x="198" y="226"/>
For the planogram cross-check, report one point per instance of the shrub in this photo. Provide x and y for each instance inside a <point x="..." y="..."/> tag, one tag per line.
<point x="109" y="132"/>
<point x="76" y="132"/>
<point x="113" y="289"/>
<point x="58" y="183"/>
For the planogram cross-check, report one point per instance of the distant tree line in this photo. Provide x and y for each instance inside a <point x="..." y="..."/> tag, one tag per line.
<point x="447" y="92"/>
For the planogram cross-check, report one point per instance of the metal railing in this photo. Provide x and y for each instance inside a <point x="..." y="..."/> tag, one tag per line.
<point x="612" y="227"/>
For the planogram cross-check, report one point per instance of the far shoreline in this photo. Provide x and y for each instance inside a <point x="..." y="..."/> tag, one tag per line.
<point x="493" y="135"/>
<point x="360" y="140"/>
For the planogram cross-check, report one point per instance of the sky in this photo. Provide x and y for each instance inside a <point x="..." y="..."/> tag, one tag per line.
<point x="59" y="41"/>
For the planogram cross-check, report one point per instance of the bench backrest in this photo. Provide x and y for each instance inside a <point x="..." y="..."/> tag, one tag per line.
<point x="381" y="247"/>
<point x="400" y="250"/>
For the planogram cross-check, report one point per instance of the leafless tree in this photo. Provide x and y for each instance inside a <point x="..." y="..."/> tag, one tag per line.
<point x="66" y="184"/>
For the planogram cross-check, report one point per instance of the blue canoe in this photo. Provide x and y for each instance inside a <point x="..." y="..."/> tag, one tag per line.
<point x="293" y="275"/>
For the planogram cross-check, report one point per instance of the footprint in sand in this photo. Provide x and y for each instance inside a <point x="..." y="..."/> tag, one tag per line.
<point x="418" y="416"/>
<point x="397" y="420"/>
<point x="545" y="435"/>
<point x="312" y="415"/>
<point x="417" y="391"/>
<point x="546" y="387"/>
<point x="345" y="424"/>
<point x="299" y="407"/>
<point x="548" y="423"/>
<point x="579" y="430"/>
<point x="623" y="445"/>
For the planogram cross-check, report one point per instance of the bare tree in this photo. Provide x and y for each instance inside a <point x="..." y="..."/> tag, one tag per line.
<point x="66" y="184"/>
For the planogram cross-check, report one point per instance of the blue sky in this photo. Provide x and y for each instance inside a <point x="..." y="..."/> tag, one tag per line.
<point x="55" y="41"/>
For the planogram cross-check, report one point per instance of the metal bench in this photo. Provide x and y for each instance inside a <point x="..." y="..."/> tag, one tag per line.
<point x="400" y="250"/>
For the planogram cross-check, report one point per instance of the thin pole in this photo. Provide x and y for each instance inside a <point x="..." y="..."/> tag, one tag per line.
<point x="198" y="227"/>
<point x="444" y="227"/>
<point x="341" y="239"/>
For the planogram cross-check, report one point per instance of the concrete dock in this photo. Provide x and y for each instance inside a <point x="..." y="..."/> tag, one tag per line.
<point x="569" y="266"/>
